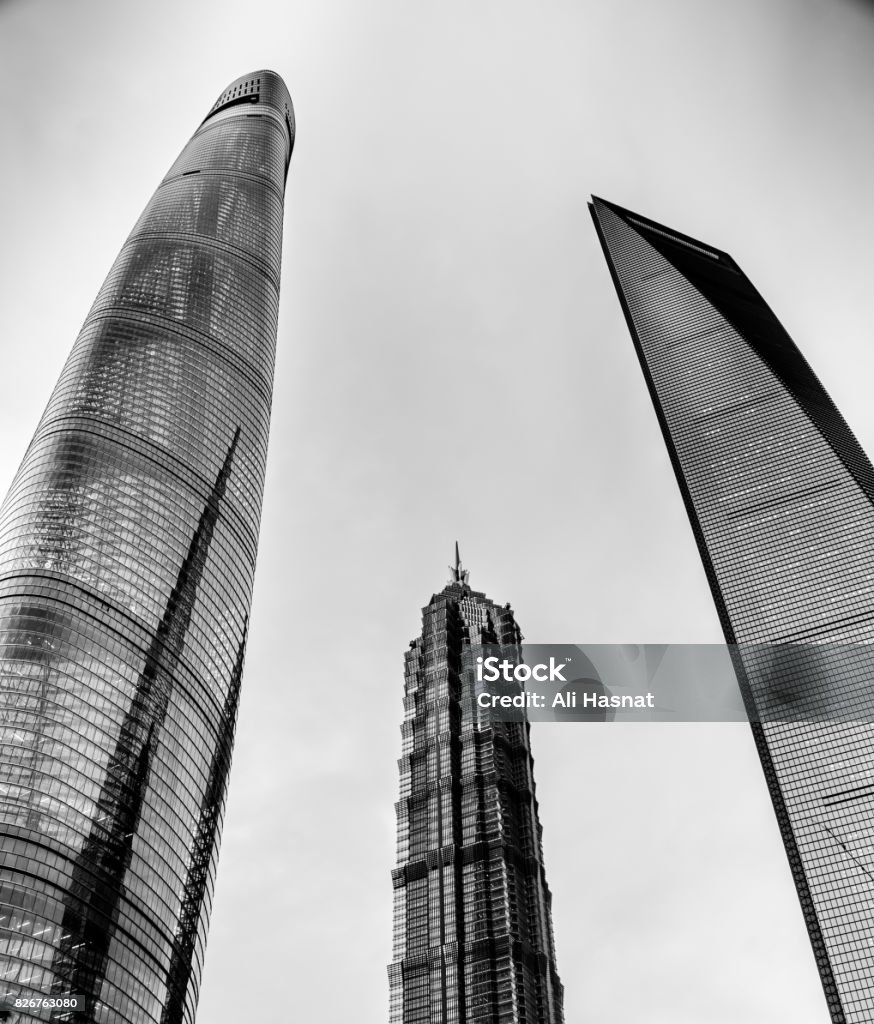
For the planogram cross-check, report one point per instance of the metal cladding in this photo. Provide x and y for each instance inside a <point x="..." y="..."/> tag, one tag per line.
<point x="127" y="554"/>
<point x="472" y="922"/>
<point x="781" y="501"/>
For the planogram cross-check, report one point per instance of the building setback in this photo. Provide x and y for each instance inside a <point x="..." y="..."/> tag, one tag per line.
<point x="127" y="553"/>
<point x="472" y="922"/>
<point x="781" y="501"/>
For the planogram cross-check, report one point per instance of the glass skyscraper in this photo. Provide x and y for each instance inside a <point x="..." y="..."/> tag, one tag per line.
<point x="781" y="501"/>
<point x="127" y="553"/>
<point x="472" y="922"/>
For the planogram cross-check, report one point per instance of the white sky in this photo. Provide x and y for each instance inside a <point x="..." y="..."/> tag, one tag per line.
<point x="453" y="364"/>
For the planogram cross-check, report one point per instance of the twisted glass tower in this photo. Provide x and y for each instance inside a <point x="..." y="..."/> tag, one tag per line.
<point x="473" y="937"/>
<point x="127" y="553"/>
<point x="781" y="501"/>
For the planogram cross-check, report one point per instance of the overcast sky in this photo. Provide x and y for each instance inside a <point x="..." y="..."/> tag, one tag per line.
<point x="453" y="364"/>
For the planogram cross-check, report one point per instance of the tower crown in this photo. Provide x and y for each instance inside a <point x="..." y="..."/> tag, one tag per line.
<point x="265" y="88"/>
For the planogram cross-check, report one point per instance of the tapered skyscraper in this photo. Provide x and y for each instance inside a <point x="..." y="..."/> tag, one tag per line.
<point x="127" y="553"/>
<point x="781" y="501"/>
<point x="472" y="922"/>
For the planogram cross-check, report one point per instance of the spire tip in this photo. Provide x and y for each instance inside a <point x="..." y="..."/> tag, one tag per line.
<point x="459" y="575"/>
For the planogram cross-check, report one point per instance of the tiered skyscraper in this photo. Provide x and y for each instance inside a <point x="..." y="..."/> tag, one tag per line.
<point x="127" y="553"/>
<point x="781" y="501"/>
<point x="472" y="925"/>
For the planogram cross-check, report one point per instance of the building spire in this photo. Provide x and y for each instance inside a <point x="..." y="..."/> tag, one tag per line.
<point x="459" y="575"/>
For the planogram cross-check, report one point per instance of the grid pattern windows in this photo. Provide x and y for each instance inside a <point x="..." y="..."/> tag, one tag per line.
<point x="781" y="503"/>
<point x="127" y="555"/>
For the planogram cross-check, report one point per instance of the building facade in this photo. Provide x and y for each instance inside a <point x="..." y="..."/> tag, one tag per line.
<point x="781" y="501"/>
<point x="127" y="553"/>
<point x="472" y="922"/>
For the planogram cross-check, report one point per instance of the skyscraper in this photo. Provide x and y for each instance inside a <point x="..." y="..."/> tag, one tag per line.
<point x="781" y="501"/>
<point x="127" y="553"/>
<point x="472" y="922"/>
